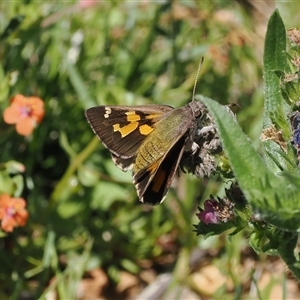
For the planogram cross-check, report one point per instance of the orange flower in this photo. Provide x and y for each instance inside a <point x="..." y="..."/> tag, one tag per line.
<point x="25" y="112"/>
<point x="12" y="212"/>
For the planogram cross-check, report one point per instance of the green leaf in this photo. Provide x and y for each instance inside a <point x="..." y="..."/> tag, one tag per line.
<point x="4" y="84"/>
<point x="69" y="209"/>
<point x="106" y="193"/>
<point x="247" y="165"/>
<point x="130" y="266"/>
<point x="18" y="185"/>
<point x="79" y="86"/>
<point x="6" y="184"/>
<point x="275" y="107"/>
<point x="212" y="229"/>
<point x="14" y="23"/>
<point x="88" y="175"/>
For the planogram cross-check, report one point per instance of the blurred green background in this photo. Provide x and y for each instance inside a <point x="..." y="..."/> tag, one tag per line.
<point x="86" y="225"/>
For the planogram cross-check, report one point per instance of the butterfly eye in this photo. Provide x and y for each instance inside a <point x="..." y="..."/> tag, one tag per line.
<point x="197" y="108"/>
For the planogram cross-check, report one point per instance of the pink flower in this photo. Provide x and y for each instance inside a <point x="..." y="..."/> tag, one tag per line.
<point x="25" y="112"/>
<point x="210" y="214"/>
<point x="12" y="212"/>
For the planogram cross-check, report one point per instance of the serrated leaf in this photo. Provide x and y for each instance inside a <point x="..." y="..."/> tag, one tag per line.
<point x="275" y="107"/>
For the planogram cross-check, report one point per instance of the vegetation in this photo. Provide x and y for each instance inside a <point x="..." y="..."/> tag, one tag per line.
<point x="71" y="220"/>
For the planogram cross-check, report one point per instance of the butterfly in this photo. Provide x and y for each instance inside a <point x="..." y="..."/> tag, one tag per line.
<point x="149" y="139"/>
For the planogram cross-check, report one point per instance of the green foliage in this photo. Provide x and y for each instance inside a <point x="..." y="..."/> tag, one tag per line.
<point x="275" y="109"/>
<point x="275" y="198"/>
<point x="83" y="211"/>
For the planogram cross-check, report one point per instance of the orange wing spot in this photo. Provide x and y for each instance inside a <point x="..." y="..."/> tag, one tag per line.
<point x="127" y="129"/>
<point x="158" y="180"/>
<point x="132" y="116"/>
<point x="153" y="167"/>
<point x="145" y="129"/>
<point x="153" y="115"/>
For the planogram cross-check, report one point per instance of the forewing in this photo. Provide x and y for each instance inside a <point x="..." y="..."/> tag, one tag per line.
<point x="123" y="128"/>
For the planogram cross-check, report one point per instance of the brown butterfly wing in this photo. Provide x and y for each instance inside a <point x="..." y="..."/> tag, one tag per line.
<point x="122" y="129"/>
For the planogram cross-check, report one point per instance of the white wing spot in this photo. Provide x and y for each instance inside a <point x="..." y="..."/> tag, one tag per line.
<point x="107" y="112"/>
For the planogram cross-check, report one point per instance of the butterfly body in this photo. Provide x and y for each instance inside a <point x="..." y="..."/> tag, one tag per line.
<point x="149" y="139"/>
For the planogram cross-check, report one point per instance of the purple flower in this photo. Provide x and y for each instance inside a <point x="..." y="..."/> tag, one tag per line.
<point x="210" y="213"/>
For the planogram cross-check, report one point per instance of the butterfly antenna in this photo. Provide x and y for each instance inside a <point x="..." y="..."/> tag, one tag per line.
<point x="197" y="76"/>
